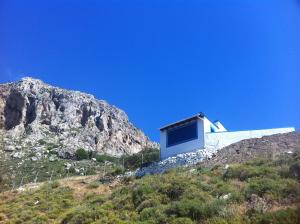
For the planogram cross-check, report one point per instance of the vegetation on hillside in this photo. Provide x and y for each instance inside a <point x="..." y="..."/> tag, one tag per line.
<point x="134" y="161"/>
<point x="16" y="172"/>
<point x="259" y="191"/>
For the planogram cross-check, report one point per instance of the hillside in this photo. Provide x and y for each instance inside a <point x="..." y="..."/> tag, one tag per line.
<point x="265" y="147"/>
<point x="245" y="150"/>
<point x="262" y="188"/>
<point x="259" y="191"/>
<point x="36" y="117"/>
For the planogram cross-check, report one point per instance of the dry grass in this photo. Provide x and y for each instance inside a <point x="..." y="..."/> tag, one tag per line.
<point x="79" y="185"/>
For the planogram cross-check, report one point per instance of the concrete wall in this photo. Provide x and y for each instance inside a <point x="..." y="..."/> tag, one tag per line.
<point x="222" y="139"/>
<point x="189" y="146"/>
<point x="220" y="126"/>
<point x="207" y="125"/>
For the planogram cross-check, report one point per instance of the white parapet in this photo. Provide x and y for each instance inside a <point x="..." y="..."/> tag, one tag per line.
<point x="220" y="140"/>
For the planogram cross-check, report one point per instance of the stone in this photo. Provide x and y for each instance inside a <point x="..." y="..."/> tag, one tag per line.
<point x="258" y="204"/>
<point x="68" y="166"/>
<point x="226" y="196"/>
<point x="9" y="148"/>
<point x="52" y="158"/>
<point x="33" y="110"/>
<point x="17" y="155"/>
<point x="184" y="159"/>
<point x="34" y="158"/>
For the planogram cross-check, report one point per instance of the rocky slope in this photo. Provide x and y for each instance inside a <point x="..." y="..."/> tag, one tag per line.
<point x="240" y="152"/>
<point x="35" y="116"/>
<point x="265" y="147"/>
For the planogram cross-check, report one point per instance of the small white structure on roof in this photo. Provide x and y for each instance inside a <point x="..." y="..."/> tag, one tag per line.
<point x="197" y="132"/>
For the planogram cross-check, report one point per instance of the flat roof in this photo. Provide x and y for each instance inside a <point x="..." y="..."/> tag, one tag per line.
<point x="195" y="117"/>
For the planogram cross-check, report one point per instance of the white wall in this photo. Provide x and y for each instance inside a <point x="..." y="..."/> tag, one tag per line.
<point x="207" y="125"/>
<point x="222" y="139"/>
<point x="220" y="126"/>
<point x="189" y="146"/>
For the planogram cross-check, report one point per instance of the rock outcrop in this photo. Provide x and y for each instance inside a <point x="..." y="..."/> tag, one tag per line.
<point x="34" y="115"/>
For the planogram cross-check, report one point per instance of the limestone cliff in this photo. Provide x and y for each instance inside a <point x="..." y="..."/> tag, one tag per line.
<point x="34" y="115"/>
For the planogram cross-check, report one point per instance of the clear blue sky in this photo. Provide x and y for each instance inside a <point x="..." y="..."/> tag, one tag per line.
<point x="160" y="61"/>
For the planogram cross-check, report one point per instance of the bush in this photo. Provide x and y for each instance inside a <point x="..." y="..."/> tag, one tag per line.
<point x="82" y="215"/>
<point x="261" y="186"/>
<point x="141" y="159"/>
<point x="93" y="185"/>
<point x="181" y="221"/>
<point x="42" y="142"/>
<point x="288" y="216"/>
<point x="131" y="162"/>
<point x="174" y="190"/>
<point x="55" y="184"/>
<point x="220" y="187"/>
<point x="104" y="157"/>
<point x="117" y="171"/>
<point x="294" y="170"/>
<point x="81" y="154"/>
<point x="243" y="172"/>
<point x="139" y="194"/>
<point x="154" y="215"/>
<point x="195" y="209"/>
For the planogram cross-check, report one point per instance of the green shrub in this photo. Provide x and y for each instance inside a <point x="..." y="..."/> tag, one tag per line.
<point x="142" y="158"/>
<point x="288" y="216"/>
<point x="131" y="162"/>
<point x="93" y="185"/>
<point x="195" y="209"/>
<point x="81" y="154"/>
<point x="83" y="215"/>
<point x="174" y="190"/>
<point x="154" y="215"/>
<point x="276" y="189"/>
<point x="51" y="146"/>
<point x="55" y="184"/>
<point x="261" y="186"/>
<point x="294" y="170"/>
<point x="42" y="142"/>
<point x="117" y="171"/>
<point x="139" y="194"/>
<point x="243" y="172"/>
<point x="219" y="187"/>
<point x="146" y="204"/>
<point x="104" y="158"/>
<point x="181" y="220"/>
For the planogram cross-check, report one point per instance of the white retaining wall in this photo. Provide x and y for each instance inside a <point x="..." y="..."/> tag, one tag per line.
<point x="220" y="140"/>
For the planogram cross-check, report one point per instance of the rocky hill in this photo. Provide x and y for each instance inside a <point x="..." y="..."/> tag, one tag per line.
<point x="265" y="147"/>
<point x="36" y="117"/>
<point x="240" y="152"/>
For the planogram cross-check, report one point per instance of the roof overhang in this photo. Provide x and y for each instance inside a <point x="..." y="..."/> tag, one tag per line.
<point x="195" y="117"/>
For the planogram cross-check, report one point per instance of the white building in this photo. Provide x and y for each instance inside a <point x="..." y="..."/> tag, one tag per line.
<point x="197" y="132"/>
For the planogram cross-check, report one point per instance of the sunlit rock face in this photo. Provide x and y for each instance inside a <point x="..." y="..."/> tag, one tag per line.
<point x="34" y="114"/>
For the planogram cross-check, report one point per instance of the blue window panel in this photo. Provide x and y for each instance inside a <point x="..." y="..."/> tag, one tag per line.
<point x="182" y="134"/>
